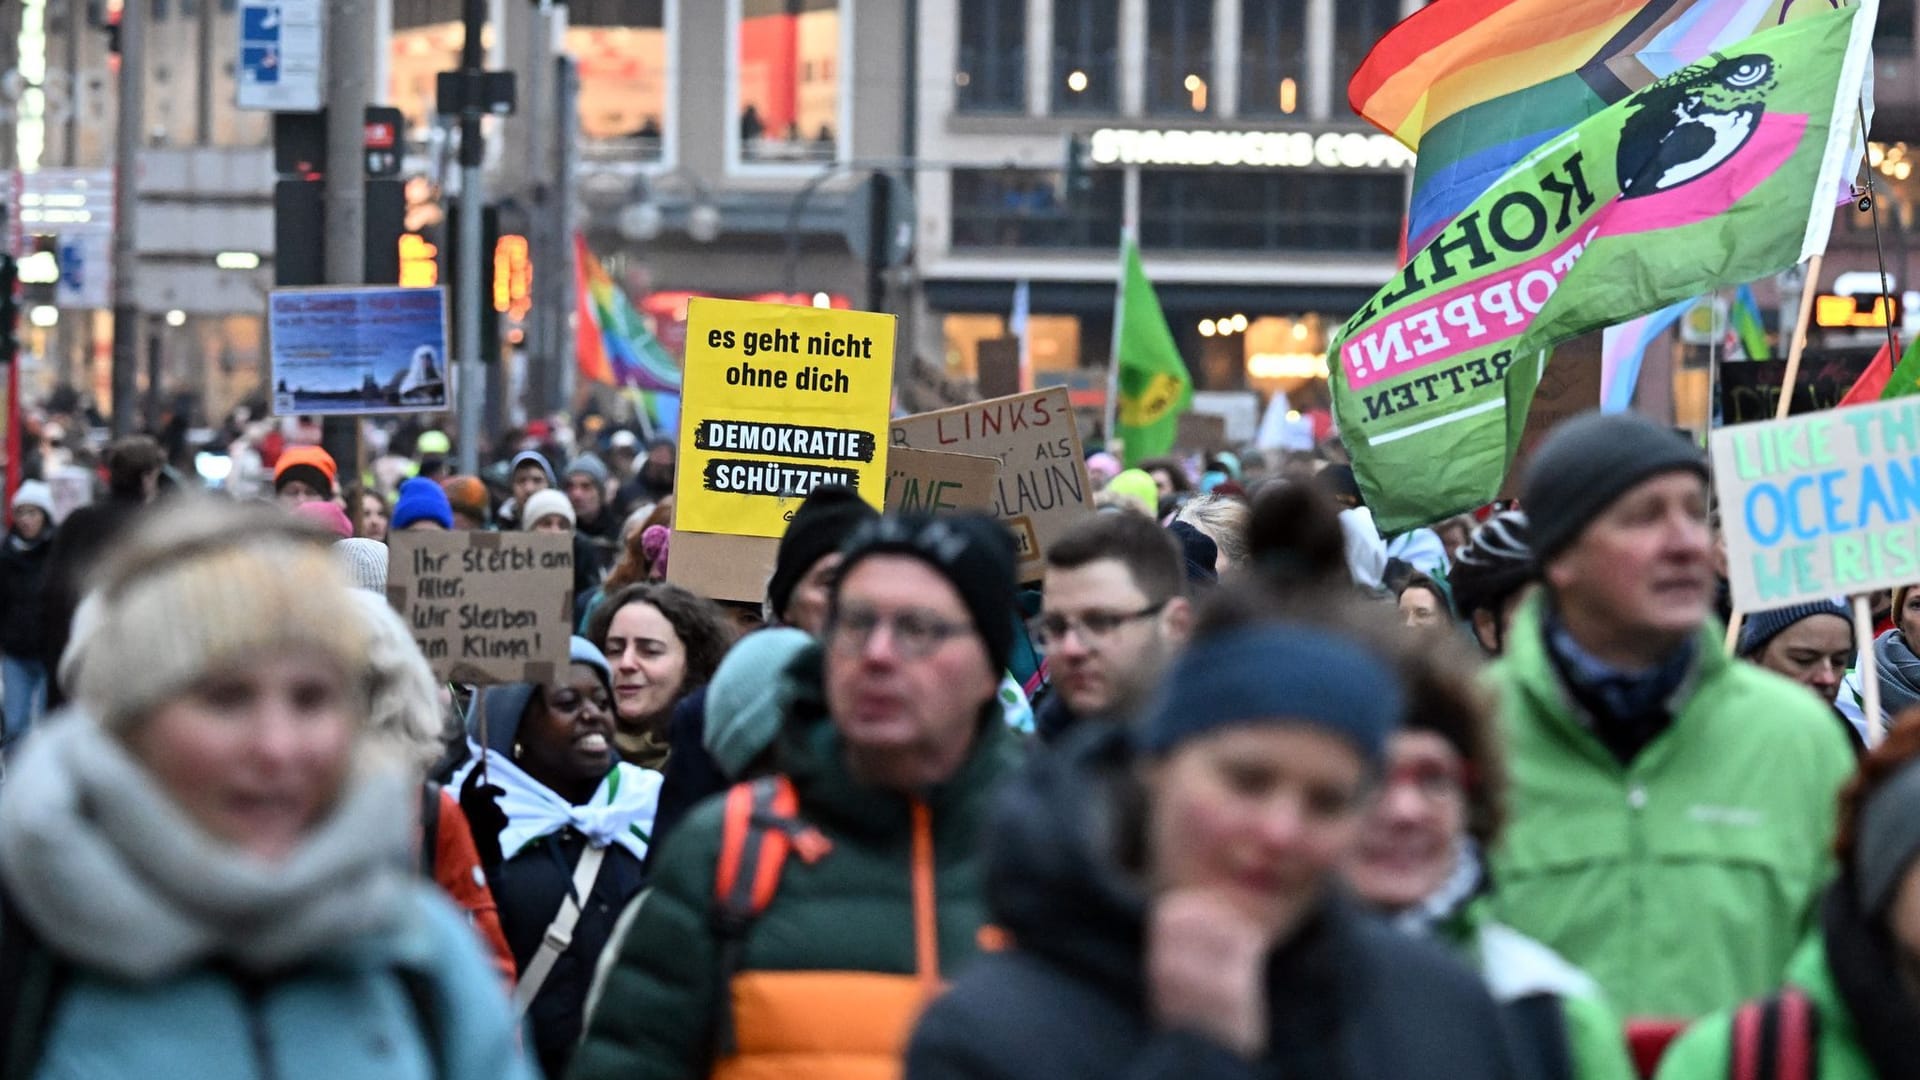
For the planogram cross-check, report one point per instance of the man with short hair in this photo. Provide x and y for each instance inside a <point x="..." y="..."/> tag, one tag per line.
<point x="1115" y="610"/>
<point x="528" y="474"/>
<point x="1670" y="807"/>
<point x="893" y="743"/>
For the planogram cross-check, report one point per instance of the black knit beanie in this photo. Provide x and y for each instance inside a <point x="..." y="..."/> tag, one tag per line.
<point x="826" y="517"/>
<point x="1586" y="463"/>
<point x="973" y="552"/>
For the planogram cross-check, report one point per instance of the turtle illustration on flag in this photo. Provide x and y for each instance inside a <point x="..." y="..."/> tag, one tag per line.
<point x="1691" y="123"/>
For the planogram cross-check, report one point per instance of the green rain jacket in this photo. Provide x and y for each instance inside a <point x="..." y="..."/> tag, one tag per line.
<point x="1682" y="882"/>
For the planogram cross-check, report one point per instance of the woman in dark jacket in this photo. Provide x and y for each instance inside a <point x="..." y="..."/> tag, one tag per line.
<point x="556" y="813"/>
<point x="1172" y="902"/>
<point x="23" y="582"/>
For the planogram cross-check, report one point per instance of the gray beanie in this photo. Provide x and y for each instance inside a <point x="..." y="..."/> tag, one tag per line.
<point x="1763" y="626"/>
<point x="365" y="562"/>
<point x="1887" y="840"/>
<point x="1586" y="463"/>
<point x="590" y="465"/>
<point x="747" y="697"/>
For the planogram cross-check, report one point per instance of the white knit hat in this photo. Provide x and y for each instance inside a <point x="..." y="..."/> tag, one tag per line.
<point x="34" y="493"/>
<point x="365" y="563"/>
<point x="543" y="503"/>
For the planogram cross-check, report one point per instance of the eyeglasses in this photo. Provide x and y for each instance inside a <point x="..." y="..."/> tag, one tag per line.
<point x="1053" y="627"/>
<point x="915" y="634"/>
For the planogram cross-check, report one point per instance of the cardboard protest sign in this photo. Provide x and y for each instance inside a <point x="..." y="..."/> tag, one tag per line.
<point x="722" y="567"/>
<point x="776" y="401"/>
<point x="1043" y="487"/>
<point x="352" y="351"/>
<point x="1823" y="504"/>
<point x="1569" y="387"/>
<point x="928" y="482"/>
<point x="1202" y="433"/>
<point x="485" y="607"/>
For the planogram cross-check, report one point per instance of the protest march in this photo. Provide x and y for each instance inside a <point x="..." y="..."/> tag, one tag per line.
<point x="1512" y="674"/>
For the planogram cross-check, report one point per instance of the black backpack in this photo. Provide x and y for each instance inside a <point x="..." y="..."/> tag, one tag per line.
<point x="33" y="979"/>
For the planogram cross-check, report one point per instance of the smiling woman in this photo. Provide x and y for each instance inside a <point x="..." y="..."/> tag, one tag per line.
<point x="213" y="825"/>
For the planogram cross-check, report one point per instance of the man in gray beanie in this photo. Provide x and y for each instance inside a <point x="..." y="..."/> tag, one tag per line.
<point x="1659" y="788"/>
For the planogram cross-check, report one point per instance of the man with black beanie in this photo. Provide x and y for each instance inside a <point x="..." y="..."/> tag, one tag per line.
<point x="1669" y="807"/>
<point x="893" y="744"/>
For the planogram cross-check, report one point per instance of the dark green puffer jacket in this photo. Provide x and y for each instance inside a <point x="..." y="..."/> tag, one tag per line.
<point x="833" y="921"/>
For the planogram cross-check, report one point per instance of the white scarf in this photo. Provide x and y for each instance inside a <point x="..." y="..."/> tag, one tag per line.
<point x="620" y="812"/>
<point x="117" y="878"/>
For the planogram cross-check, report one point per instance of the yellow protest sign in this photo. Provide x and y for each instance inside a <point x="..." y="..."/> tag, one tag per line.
<point x="777" y="401"/>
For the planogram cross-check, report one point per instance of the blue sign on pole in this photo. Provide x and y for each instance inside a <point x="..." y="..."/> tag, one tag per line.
<point x="280" y="55"/>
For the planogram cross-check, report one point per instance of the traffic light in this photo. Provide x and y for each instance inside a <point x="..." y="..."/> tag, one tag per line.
<point x="1077" y="181"/>
<point x="419" y="262"/>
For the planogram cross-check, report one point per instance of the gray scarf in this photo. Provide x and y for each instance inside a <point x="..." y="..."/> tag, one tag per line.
<point x="1899" y="673"/>
<point x="115" y="876"/>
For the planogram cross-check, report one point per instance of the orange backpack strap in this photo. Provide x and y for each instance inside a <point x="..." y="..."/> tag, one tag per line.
<point x="1776" y="1038"/>
<point x="760" y="828"/>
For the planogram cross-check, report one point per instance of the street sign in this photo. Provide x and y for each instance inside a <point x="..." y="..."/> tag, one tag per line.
<point x="280" y="55"/>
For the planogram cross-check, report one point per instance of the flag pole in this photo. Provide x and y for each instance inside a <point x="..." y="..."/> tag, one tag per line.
<point x="1792" y="376"/>
<point x="1869" y="674"/>
<point x="1113" y="354"/>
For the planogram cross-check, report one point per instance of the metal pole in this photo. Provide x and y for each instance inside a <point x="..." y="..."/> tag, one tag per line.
<point x="351" y="44"/>
<point x="540" y="183"/>
<point x="126" y="212"/>
<point x="203" y="78"/>
<point x="472" y="383"/>
<point x="561" y="359"/>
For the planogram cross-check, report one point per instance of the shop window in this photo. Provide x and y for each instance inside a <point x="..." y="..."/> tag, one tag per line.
<point x="1273" y="56"/>
<point x="1357" y="25"/>
<point x="1025" y="208"/>
<point x="1295" y="211"/>
<point x="992" y="72"/>
<point x="1086" y="55"/>
<point x="1179" y="57"/>
<point x="1893" y="32"/>
<point x="623" y="78"/>
<point x="787" y="84"/>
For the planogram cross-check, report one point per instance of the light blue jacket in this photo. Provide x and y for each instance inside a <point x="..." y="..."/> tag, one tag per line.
<point x="348" y="1017"/>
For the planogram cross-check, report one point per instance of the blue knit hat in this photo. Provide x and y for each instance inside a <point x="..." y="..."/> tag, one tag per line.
<point x="422" y="500"/>
<point x="1278" y="672"/>
<point x="1763" y="626"/>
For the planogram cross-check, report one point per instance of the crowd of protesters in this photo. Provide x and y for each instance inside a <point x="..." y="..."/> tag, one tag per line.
<point x="1234" y="787"/>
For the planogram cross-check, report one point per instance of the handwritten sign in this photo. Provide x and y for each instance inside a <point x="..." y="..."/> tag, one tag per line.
<point x="929" y="482"/>
<point x="1043" y="487"/>
<point x="486" y="607"/>
<point x="1821" y="504"/>
<point x="777" y="401"/>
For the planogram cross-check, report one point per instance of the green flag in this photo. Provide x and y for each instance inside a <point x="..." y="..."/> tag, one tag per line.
<point x="1723" y="172"/>
<point x="1154" y="385"/>
<point x="1905" y="380"/>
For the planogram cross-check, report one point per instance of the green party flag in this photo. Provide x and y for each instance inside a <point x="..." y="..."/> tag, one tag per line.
<point x="1723" y="172"/>
<point x="1905" y="380"/>
<point x="1153" y="381"/>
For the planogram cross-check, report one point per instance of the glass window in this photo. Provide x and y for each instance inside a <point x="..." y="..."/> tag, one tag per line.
<point x="992" y="73"/>
<point x="623" y="78"/>
<point x="1025" y="208"/>
<point x="788" y="84"/>
<point x="1086" y="55"/>
<point x="1273" y="56"/>
<point x="1357" y="25"/>
<point x="1893" y="33"/>
<point x="1179" y="56"/>
<point x="1293" y="211"/>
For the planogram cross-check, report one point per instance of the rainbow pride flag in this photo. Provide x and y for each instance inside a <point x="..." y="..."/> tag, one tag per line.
<point x="1472" y="86"/>
<point x="625" y="353"/>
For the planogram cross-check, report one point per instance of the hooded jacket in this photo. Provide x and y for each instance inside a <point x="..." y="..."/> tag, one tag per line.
<point x="832" y="972"/>
<point x="1349" y="998"/>
<point x="23" y="585"/>
<point x="1683" y="880"/>
<point x="178" y="950"/>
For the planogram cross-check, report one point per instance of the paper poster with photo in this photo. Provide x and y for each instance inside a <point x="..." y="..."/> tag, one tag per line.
<point x="359" y="350"/>
<point x="485" y="607"/>
<point x="1043" y="486"/>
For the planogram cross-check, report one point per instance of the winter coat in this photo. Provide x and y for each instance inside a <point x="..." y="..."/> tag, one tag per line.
<point x="177" y="956"/>
<point x="23" y="581"/>
<point x="1349" y="998"/>
<point x="691" y="775"/>
<point x="1868" y="1024"/>
<point x="1561" y="1025"/>
<point x="832" y="973"/>
<point x="455" y="867"/>
<point x="1682" y="881"/>
<point x="84" y="537"/>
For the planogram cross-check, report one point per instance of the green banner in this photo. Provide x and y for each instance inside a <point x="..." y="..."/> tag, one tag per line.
<point x="1155" y="387"/>
<point x="1721" y="173"/>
